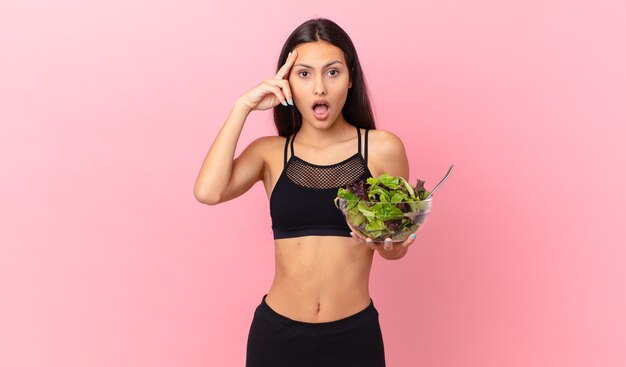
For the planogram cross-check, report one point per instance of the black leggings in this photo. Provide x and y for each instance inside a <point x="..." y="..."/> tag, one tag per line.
<point x="278" y="341"/>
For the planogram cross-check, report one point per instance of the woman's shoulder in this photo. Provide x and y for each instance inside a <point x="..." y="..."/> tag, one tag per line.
<point x="384" y="141"/>
<point x="268" y="147"/>
<point x="386" y="153"/>
<point x="268" y="142"/>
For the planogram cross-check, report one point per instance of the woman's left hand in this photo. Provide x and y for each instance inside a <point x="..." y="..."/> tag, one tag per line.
<point x="387" y="246"/>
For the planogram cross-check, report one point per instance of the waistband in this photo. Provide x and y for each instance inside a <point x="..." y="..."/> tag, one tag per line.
<point x="340" y="230"/>
<point x="365" y="315"/>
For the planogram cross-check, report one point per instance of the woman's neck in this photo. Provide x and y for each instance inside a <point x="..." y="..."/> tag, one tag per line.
<point x="340" y="130"/>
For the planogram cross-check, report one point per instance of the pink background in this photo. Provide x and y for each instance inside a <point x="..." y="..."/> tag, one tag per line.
<point x="108" y="109"/>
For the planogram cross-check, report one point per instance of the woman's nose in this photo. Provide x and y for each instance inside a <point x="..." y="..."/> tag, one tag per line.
<point x="320" y="87"/>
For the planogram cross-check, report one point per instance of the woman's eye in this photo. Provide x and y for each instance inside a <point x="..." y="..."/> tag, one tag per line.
<point x="304" y="74"/>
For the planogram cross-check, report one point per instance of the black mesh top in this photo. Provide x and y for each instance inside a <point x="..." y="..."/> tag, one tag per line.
<point x="302" y="201"/>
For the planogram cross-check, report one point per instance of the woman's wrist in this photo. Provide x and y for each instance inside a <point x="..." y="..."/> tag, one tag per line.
<point x="397" y="252"/>
<point x="241" y="106"/>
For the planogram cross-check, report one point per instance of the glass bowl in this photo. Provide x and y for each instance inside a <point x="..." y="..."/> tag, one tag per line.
<point x="380" y="220"/>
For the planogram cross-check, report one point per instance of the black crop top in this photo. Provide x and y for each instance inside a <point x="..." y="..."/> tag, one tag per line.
<point x="302" y="201"/>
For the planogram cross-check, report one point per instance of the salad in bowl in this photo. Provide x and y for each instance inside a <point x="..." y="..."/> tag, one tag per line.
<point x="384" y="207"/>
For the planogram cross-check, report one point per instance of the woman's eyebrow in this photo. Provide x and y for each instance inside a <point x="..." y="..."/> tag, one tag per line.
<point x="327" y="65"/>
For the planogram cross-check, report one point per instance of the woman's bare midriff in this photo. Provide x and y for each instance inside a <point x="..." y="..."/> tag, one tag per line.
<point x="320" y="278"/>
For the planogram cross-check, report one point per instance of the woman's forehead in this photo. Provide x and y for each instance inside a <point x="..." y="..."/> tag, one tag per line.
<point x="318" y="54"/>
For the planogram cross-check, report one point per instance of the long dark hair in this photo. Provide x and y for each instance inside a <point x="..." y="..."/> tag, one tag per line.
<point x="357" y="110"/>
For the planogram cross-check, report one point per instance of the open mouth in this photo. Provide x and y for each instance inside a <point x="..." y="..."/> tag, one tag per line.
<point x="320" y="109"/>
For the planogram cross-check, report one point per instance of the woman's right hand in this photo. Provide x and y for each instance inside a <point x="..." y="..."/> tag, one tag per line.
<point x="273" y="91"/>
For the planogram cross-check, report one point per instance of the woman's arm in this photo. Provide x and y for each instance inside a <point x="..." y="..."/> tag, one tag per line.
<point x="389" y="156"/>
<point x="221" y="178"/>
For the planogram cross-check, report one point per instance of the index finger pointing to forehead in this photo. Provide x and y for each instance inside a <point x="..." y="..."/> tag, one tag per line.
<point x="284" y="70"/>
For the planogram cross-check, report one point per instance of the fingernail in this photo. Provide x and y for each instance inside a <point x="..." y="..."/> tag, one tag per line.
<point x="289" y="54"/>
<point x="291" y="102"/>
<point x="351" y="233"/>
<point x="284" y="103"/>
<point x="388" y="241"/>
<point x="413" y="236"/>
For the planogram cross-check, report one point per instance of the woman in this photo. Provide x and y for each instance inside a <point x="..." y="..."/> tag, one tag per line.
<point x="318" y="311"/>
